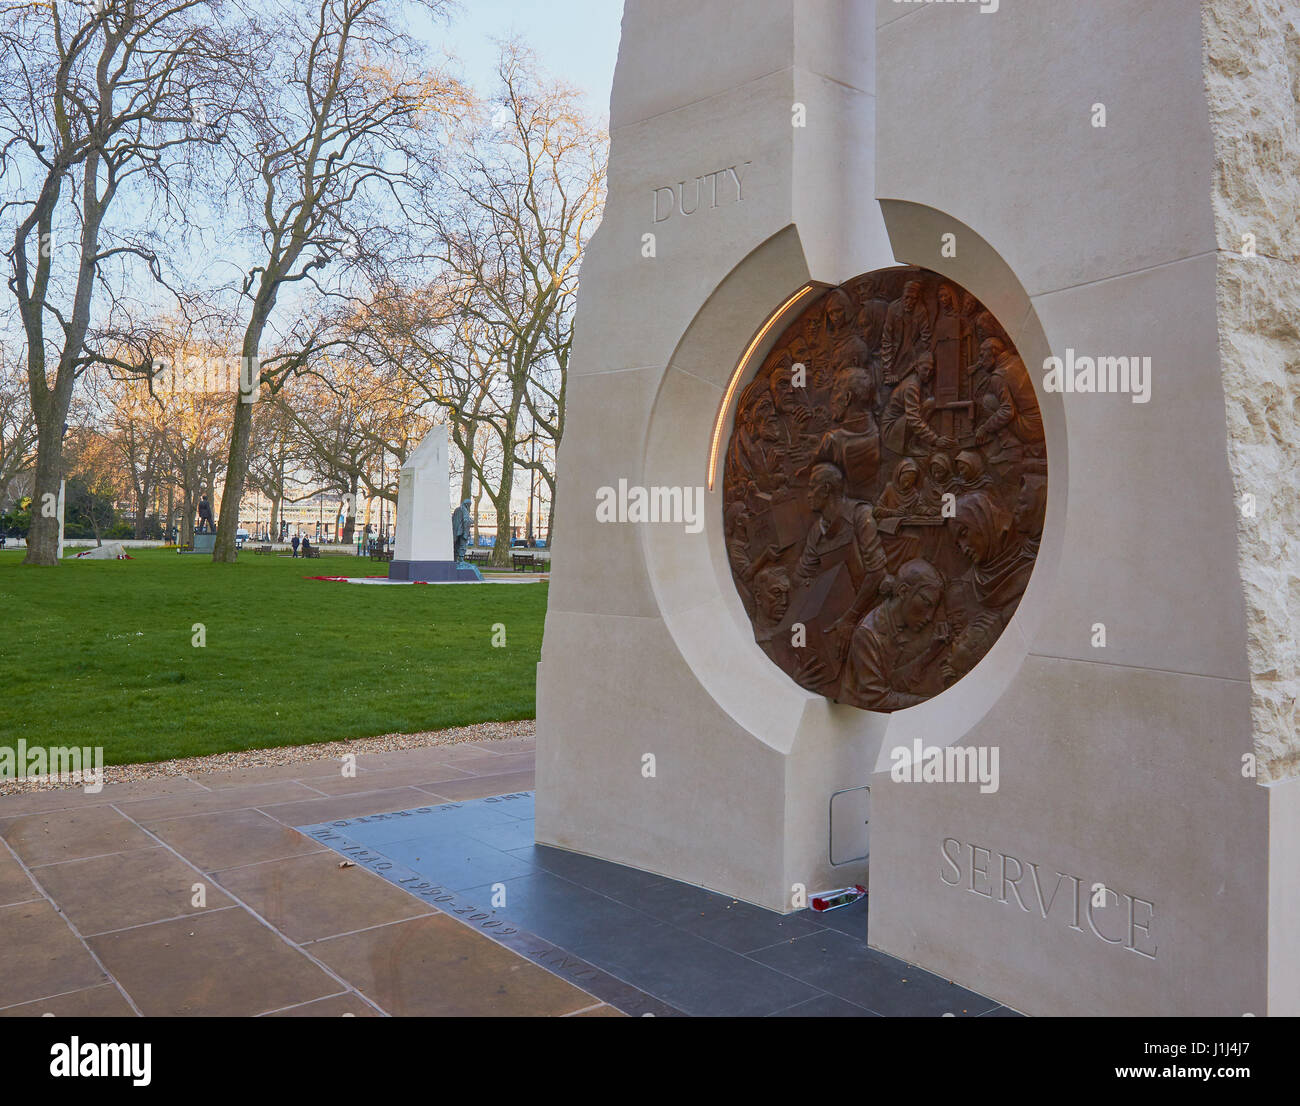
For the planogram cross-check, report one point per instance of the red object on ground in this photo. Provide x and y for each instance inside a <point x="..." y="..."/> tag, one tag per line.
<point x="829" y="900"/>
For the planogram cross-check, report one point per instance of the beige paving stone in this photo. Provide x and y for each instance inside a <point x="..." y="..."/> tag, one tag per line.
<point x="104" y="1001"/>
<point x="40" y="955"/>
<point x="127" y="889"/>
<point x="221" y="964"/>
<point x="312" y="811"/>
<point x="309" y="897"/>
<point x="496" y="765"/>
<point x="481" y="786"/>
<point x="215" y="841"/>
<point x="226" y="798"/>
<point x="436" y="967"/>
<point x="336" y="1006"/>
<point x="389" y="778"/>
<point x="31" y="802"/>
<point x="15" y="886"/>
<point x="70" y="834"/>
<point x="267" y="773"/>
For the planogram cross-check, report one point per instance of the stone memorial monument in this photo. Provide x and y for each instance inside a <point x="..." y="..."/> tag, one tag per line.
<point x="424" y="540"/>
<point x="927" y="489"/>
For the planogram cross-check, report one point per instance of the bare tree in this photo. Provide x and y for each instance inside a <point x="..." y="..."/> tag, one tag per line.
<point x="92" y="110"/>
<point x="528" y="188"/>
<point x="341" y="142"/>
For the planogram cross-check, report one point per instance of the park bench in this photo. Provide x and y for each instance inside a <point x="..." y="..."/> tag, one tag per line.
<point x="531" y="562"/>
<point x="263" y="549"/>
<point x="311" y="551"/>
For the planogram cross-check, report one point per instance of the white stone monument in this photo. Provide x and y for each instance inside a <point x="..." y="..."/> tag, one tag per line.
<point x="1093" y="174"/>
<point x="424" y="550"/>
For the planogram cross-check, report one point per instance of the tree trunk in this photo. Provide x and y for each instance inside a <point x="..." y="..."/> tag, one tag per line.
<point x="501" y="548"/>
<point x="465" y="443"/>
<point x="43" y="535"/>
<point x="240" y="435"/>
<point x="501" y="499"/>
<point x="187" y="521"/>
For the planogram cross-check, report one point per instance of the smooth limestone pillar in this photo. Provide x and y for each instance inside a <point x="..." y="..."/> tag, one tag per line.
<point x="1140" y="853"/>
<point x="423" y="550"/>
<point x="740" y="170"/>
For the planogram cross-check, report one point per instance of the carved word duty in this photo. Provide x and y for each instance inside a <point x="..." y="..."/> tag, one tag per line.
<point x="884" y="490"/>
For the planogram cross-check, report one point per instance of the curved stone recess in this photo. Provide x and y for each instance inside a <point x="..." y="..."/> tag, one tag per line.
<point x="690" y="574"/>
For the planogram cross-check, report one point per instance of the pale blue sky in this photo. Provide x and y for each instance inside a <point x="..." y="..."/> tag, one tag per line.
<point x="576" y="40"/>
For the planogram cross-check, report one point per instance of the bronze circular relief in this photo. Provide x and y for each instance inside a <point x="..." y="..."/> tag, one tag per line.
<point x="885" y="488"/>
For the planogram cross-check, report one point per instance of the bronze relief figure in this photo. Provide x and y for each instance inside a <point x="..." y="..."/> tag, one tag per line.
<point x="884" y="489"/>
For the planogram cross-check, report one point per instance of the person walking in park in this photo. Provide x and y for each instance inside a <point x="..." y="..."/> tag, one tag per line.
<point x="294" y="543"/>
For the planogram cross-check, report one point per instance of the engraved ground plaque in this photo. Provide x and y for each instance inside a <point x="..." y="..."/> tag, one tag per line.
<point x="885" y="489"/>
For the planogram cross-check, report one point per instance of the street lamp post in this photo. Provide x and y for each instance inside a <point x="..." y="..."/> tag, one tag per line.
<point x="532" y="474"/>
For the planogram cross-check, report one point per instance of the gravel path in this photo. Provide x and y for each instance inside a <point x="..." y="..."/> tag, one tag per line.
<point x="288" y="754"/>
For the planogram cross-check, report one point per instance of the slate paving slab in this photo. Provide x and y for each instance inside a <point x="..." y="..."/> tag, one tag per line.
<point x="824" y="1006"/>
<point x="738" y="926"/>
<point x="845" y="967"/>
<point x="695" y="951"/>
<point x="851" y="919"/>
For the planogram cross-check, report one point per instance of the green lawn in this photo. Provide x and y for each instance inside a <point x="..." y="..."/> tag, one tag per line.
<point x="100" y="653"/>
